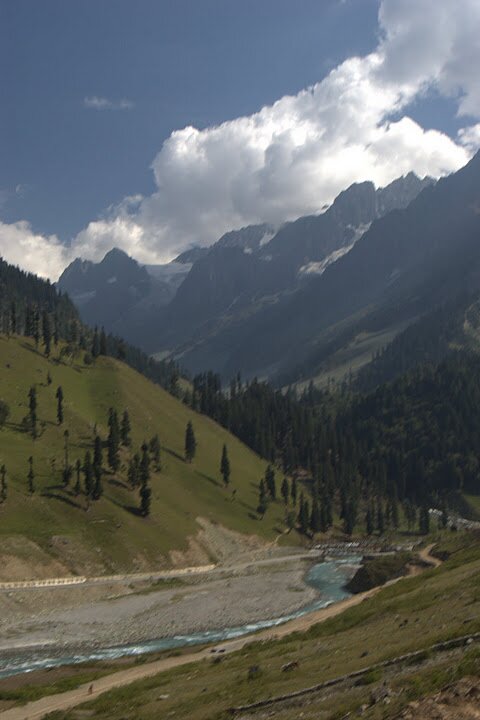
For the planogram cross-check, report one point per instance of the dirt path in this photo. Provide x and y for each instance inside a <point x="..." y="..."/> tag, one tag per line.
<point x="64" y="701"/>
<point x="428" y="558"/>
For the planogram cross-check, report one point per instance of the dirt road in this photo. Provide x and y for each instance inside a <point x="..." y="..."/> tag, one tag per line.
<point x="67" y="700"/>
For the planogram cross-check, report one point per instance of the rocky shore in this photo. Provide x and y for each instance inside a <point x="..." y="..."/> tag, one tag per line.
<point x="56" y="619"/>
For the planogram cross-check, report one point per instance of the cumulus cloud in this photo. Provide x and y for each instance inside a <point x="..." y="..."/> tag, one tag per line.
<point x="470" y="137"/>
<point x="293" y="157"/>
<point x="39" y="254"/>
<point x="94" y="102"/>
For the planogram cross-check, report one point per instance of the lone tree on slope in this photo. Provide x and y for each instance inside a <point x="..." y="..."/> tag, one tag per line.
<point x="225" y="466"/>
<point x="262" y="499"/>
<point x="154" y="447"/>
<point x="32" y="407"/>
<point x="125" y="429"/>
<point x="190" y="443"/>
<point x="3" y="483"/>
<point x="31" y="476"/>
<point x="145" y="500"/>
<point x="113" y="442"/>
<point x="59" y="396"/>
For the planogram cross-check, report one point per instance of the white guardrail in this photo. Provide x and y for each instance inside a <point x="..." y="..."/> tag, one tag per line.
<point x="82" y="579"/>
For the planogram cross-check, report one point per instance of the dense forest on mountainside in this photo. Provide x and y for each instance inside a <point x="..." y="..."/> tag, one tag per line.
<point x="33" y="307"/>
<point x="428" y="340"/>
<point x="411" y="442"/>
<point x="414" y="440"/>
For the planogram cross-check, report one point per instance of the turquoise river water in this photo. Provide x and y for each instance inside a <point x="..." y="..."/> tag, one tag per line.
<point x="328" y="578"/>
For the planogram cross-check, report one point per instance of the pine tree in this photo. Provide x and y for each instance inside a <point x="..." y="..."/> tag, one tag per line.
<point x="78" y="469"/>
<point x="97" y="452"/>
<point x="444" y="516"/>
<point x="270" y="482"/>
<point x="13" y="317"/>
<point x="285" y="490"/>
<point x="3" y="483"/>
<point x="225" y="466"/>
<point x="369" y="519"/>
<point x="394" y="512"/>
<point x="31" y="476"/>
<point x="424" y="520"/>
<point x="144" y="469"/>
<point x="134" y="471"/>
<point x="125" y="429"/>
<point x="144" y="477"/>
<point x="95" y="344"/>
<point x="262" y="499"/>
<point x="303" y="514"/>
<point x="47" y="333"/>
<point x="380" y="518"/>
<point x="155" y="452"/>
<point x="56" y="331"/>
<point x="350" y="518"/>
<point x="59" y="396"/>
<point x="67" y="469"/>
<point x="49" y="378"/>
<point x="97" y="489"/>
<point x="36" y="327"/>
<point x="293" y="491"/>
<point x="88" y="475"/>
<point x="315" y="519"/>
<point x="98" y="486"/>
<point x="145" y="500"/>
<point x="190" y="443"/>
<point x="32" y="405"/>
<point x="102" y="347"/>
<point x="324" y="525"/>
<point x="113" y="442"/>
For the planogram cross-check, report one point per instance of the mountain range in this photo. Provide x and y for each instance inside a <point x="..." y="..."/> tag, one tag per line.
<point x="193" y="307"/>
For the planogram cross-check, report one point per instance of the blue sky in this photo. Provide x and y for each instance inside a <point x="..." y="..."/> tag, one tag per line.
<point x="182" y="62"/>
<point x="97" y="94"/>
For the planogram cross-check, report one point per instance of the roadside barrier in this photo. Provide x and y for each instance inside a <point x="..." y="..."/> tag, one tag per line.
<point x="101" y="579"/>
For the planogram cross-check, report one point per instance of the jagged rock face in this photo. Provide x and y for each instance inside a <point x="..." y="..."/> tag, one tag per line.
<point x="119" y="293"/>
<point x="172" y="306"/>
<point x="256" y="266"/>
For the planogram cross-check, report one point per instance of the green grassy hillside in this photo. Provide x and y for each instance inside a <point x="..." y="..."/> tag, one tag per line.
<point x="409" y="616"/>
<point x="110" y="536"/>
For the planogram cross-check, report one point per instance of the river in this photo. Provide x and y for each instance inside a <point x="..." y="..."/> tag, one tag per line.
<point x="328" y="578"/>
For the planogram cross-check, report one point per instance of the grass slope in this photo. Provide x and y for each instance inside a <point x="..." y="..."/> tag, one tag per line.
<point x="409" y="616"/>
<point x="110" y="536"/>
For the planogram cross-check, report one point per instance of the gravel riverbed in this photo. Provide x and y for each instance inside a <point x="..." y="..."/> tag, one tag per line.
<point x="108" y="616"/>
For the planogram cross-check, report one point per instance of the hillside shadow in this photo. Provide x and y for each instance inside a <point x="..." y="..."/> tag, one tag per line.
<point x="210" y="479"/>
<point x="118" y="483"/>
<point x="133" y="510"/>
<point x="31" y="349"/>
<point x="174" y="454"/>
<point x="62" y="498"/>
<point x="57" y="486"/>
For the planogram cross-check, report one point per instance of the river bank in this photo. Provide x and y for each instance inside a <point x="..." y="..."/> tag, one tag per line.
<point x="73" y="621"/>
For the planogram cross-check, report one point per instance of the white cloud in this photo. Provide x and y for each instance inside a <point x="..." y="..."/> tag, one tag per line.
<point x="39" y="254"/>
<point x="94" y="102"/>
<point x="295" y="156"/>
<point x="470" y="137"/>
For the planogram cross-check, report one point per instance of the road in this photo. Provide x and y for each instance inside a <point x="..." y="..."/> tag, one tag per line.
<point x="122" y="579"/>
<point x="64" y="701"/>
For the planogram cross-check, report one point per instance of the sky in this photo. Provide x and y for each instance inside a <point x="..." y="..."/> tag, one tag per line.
<point x="157" y="125"/>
